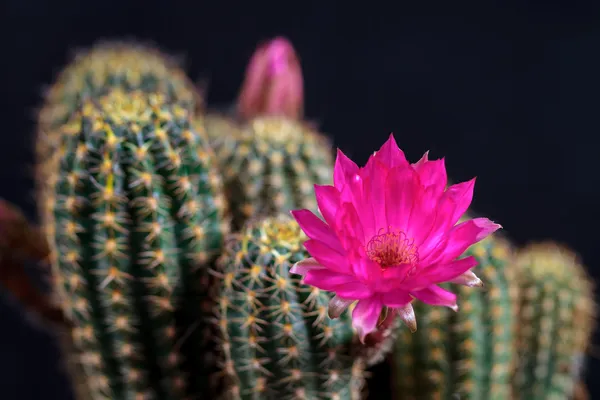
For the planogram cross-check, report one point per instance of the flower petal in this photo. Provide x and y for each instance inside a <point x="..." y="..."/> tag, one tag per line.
<point x="461" y="237"/>
<point x="353" y="290"/>
<point x="365" y="316"/>
<point x="403" y="189"/>
<point x="328" y="200"/>
<point x="468" y="279"/>
<point x="407" y="315"/>
<point x="327" y="257"/>
<point x="432" y="173"/>
<point x="326" y="280"/>
<point x="364" y="268"/>
<point x="348" y="226"/>
<point x="337" y="306"/>
<point x="316" y="229"/>
<point x="390" y="154"/>
<point x="436" y="296"/>
<point x="303" y="266"/>
<point x="375" y="189"/>
<point x="344" y="170"/>
<point x="396" y="299"/>
<point x="462" y="196"/>
<point x="440" y="273"/>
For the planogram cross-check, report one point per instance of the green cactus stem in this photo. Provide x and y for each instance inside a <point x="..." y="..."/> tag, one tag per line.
<point x="468" y="354"/>
<point x="556" y="319"/>
<point x="269" y="165"/>
<point x="276" y="338"/>
<point x="135" y="215"/>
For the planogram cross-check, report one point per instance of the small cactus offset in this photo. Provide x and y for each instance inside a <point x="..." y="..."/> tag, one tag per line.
<point x="277" y="341"/>
<point x="270" y="165"/>
<point x="556" y="319"/>
<point x="468" y="354"/>
<point x="134" y="214"/>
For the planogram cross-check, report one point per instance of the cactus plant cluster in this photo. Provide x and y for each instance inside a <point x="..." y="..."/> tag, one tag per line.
<point x="170" y="254"/>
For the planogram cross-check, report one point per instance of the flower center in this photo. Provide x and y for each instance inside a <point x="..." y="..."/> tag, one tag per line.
<point x="392" y="248"/>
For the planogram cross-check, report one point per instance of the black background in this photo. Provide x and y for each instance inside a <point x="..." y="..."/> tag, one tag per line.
<point x="508" y="93"/>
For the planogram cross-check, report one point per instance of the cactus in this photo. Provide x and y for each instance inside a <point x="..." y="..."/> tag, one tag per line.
<point x="556" y="319"/>
<point x="270" y="165"/>
<point x="468" y="354"/>
<point x="129" y="66"/>
<point x="276" y="338"/>
<point x="134" y="214"/>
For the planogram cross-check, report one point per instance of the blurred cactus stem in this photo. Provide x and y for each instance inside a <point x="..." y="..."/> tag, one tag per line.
<point x="273" y="84"/>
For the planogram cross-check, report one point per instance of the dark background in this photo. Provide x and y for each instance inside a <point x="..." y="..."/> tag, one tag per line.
<point x="508" y="93"/>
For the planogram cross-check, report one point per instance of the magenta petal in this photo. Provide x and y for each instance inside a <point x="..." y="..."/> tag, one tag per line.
<point x="462" y="196"/>
<point x="397" y="271"/>
<point x="390" y="154"/>
<point x="353" y="290"/>
<point x="436" y="296"/>
<point x="396" y="299"/>
<point x="348" y="226"/>
<point x="328" y="200"/>
<point x="365" y="316"/>
<point x="344" y="170"/>
<point x="462" y="236"/>
<point x="402" y="191"/>
<point x="433" y="173"/>
<point x="440" y="273"/>
<point x="302" y="267"/>
<point x="375" y="189"/>
<point x="366" y="269"/>
<point x="327" y="256"/>
<point x="326" y="279"/>
<point x="316" y="229"/>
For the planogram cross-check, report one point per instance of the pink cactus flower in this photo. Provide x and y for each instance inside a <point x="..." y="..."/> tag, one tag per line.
<point x="390" y="236"/>
<point x="273" y="83"/>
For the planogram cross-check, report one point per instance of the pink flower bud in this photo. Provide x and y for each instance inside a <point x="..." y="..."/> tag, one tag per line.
<point x="273" y="84"/>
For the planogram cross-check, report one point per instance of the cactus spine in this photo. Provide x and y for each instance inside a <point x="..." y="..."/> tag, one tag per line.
<point x="134" y="213"/>
<point x="276" y="338"/>
<point x="270" y="165"/>
<point x="556" y="320"/>
<point x="469" y="353"/>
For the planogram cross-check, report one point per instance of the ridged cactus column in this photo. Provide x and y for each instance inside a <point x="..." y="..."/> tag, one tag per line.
<point x="134" y="215"/>
<point x="556" y="320"/>
<point x="468" y="354"/>
<point x="276" y="338"/>
<point x="270" y="165"/>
